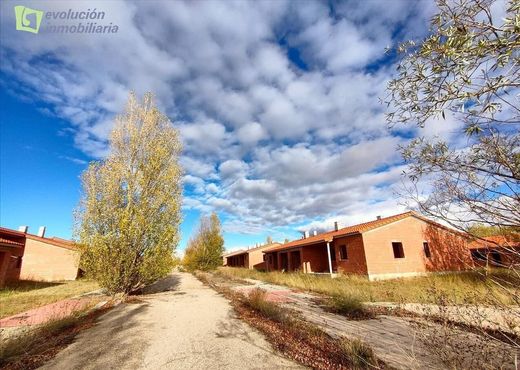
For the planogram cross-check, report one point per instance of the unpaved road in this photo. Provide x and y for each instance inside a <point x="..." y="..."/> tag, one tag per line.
<point x="181" y="324"/>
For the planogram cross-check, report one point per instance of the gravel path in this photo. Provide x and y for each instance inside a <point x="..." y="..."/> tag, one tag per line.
<point x="181" y="324"/>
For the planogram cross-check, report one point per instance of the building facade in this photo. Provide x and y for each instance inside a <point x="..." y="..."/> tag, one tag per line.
<point x="248" y="258"/>
<point x="402" y="245"/>
<point x="25" y="256"/>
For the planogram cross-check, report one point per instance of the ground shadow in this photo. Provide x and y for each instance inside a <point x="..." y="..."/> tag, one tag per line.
<point x="169" y="283"/>
<point x="27" y="285"/>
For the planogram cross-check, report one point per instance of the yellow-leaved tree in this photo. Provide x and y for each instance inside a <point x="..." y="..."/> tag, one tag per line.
<point x="128" y="218"/>
<point x="205" y="248"/>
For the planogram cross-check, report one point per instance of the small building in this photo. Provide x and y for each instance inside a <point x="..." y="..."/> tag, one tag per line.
<point x="252" y="258"/>
<point x="402" y="245"/>
<point x="496" y="251"/>
<point x="25" y="256"/>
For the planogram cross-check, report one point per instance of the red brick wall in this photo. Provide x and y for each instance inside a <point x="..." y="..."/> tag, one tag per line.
<point x="47" y="262"/>
<point x="316" y="257"/>
<point x="356" y="261"/>
<point x="448" y="250"/>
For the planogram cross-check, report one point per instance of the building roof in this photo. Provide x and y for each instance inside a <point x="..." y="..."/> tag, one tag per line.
<point x="244" y="251"/>
<point x="11" y="238"/>
<point x="11" y="242"/>
<point x="350" y="230"/>
<point x="10" y="234"/>
<point x="496" y="241"/>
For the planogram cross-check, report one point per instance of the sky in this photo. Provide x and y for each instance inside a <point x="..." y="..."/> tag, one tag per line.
<point x="277" y="103"/>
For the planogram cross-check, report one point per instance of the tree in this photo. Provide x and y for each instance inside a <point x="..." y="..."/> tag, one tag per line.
<point x="467" y="69"/>
<point x="205" y="248"/>
<point x="269" y="240"/>
<point x="128" y="218"/>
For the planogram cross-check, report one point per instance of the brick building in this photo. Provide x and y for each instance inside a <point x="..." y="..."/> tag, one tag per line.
<point x="402" y="245"/>
<point x="496" y="251"/>
<point x="252" y="258"/>
<point x="25" y="256"/>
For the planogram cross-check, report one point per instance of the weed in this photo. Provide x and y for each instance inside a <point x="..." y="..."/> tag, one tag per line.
<point x="359" y="353"/>
<point x="348" y="305"/>
<point x="257" y="300"/>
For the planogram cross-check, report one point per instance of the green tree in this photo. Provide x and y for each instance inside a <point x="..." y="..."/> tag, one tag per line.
<point x="205" y="248"/>
<point x="128" y="218"/>
<point x="269" y="240"/>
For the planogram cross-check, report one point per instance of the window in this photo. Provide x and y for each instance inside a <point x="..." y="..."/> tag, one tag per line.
<point x="496" y="258"/>
<point x="478" y="255"/>
<point x="343" y="252"/>
<point x="426" y="249"/>
<point x="398" y="249"/>
<point x="332" y="253"/>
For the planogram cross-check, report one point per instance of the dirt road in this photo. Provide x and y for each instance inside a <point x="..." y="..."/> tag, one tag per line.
<point x="181" y="324"/>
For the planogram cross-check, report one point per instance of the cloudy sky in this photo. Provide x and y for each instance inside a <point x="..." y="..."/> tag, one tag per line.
<point x="277" y="103"/>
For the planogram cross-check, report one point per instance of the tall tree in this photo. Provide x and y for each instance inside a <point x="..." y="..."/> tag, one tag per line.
<point x="467" y="69"/>
<point x="129" y="214"/>
<point x="205" y="248"/>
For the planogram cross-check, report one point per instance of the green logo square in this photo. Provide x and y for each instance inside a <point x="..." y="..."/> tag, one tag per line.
<point x="28" y="19"/>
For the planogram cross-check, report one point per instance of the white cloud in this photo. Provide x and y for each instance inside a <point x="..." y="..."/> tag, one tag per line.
<point x="266" y="141"/>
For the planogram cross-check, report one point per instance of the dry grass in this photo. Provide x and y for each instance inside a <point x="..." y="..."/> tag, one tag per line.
<point x="349" y="306"/>
<point x="257" y="301"/>
<point x="32" y="348"/>
<point x="359" y="354"/>
<point x="458" y="286"/>
<point x="25" y="295"/>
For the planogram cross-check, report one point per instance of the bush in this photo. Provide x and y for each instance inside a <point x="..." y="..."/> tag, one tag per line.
<point x="257" y="300"/>
<point x="359" y="354"/>
<point x="348" y="305"/>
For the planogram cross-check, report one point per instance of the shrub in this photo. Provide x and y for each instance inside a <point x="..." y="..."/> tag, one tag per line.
<point x="257" y="300"/>
<point x="359" y="354"/>
<point x="348" y="305"/>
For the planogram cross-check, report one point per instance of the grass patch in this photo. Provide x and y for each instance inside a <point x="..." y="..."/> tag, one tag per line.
<point x="257" y="301"/>
<point x="359" y="354"/>
<point x="465" y="287"/>
<point x="25" y="295"/>
<point x="34" y="347"/>
<point x="349" y="306"/>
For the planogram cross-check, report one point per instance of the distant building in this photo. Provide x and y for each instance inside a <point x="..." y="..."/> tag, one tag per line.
<point x="252" y="258"/>
<point x="402" y="245"/>
<point x="25" y="256"/>
<point x="496" y="251"/>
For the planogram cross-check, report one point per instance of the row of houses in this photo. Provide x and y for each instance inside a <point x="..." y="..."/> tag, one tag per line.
<point x="401" y="245"/>
<point x="25" y="256"/>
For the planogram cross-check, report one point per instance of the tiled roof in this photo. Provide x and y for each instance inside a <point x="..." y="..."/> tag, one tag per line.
<point x="496" y="241"/>
<point x="243" y="251"/>
<point x="59" y="242"/>
<point x="10" y="242"/>
<point x="354" y="229"/>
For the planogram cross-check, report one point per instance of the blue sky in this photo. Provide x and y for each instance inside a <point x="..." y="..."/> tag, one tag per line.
<point x="277" y="104"/>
